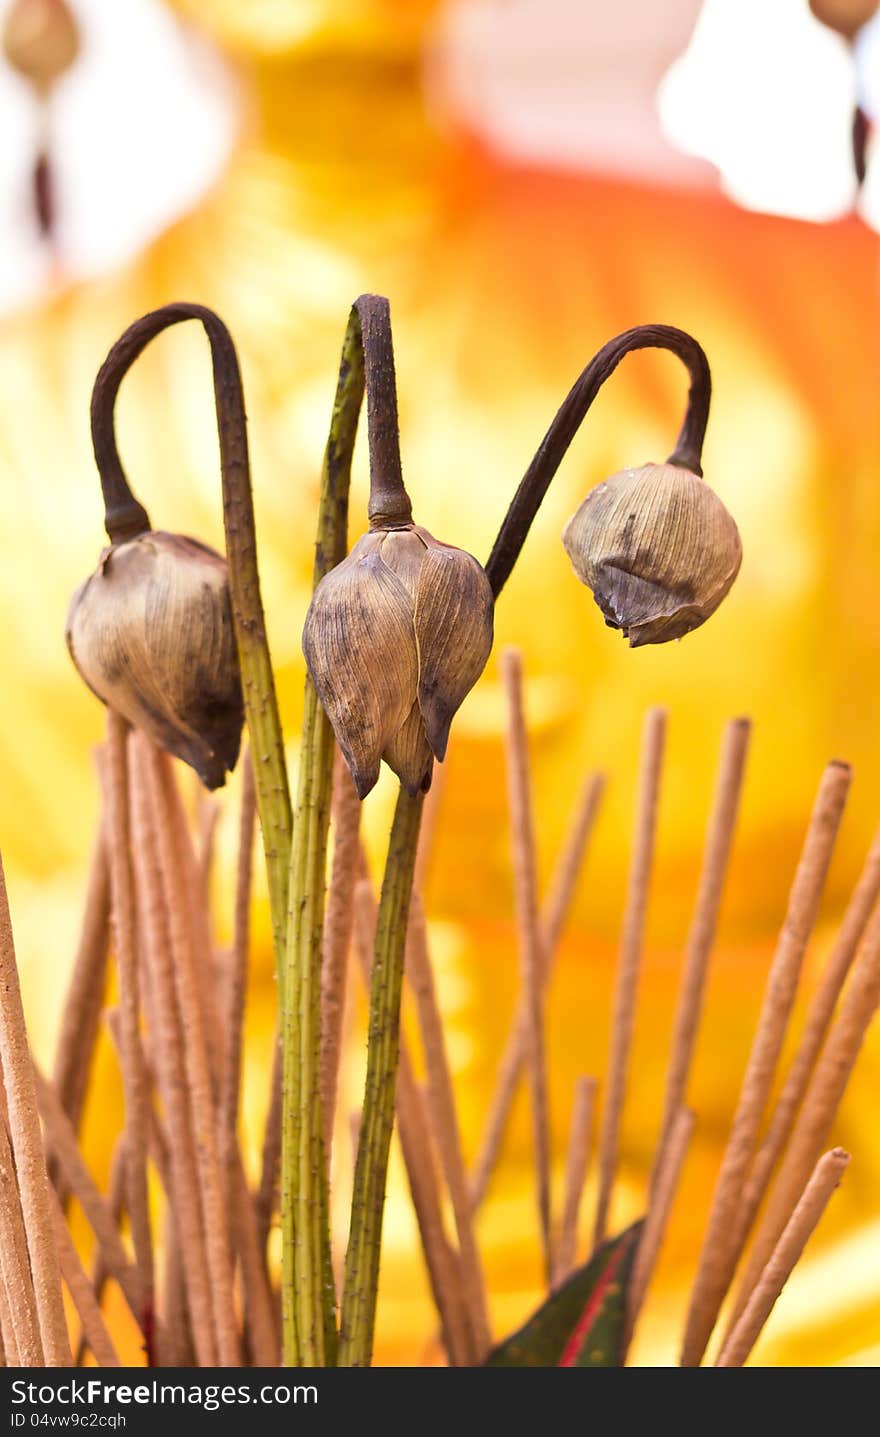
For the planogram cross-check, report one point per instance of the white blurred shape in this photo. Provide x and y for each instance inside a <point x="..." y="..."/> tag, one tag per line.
<point x="867" y="61"/>
<point x="563" y="84"/>
<point x="766" y="93"/>
<point x="755" y="91"/>
<point x="139" y="130"/>
<point x="866" y="49"/>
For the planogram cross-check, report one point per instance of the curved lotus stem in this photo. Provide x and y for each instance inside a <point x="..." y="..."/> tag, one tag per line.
<point x="125" y="518"/>
<point x="536" y="481"/>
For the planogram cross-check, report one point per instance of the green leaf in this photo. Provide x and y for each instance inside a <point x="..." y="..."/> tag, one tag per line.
<point x="581" y="1324"/>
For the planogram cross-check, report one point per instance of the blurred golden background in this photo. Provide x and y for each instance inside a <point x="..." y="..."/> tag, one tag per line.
<point x="506" y="180"/>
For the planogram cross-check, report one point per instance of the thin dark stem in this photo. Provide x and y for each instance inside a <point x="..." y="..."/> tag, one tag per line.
<point x="537" y="478"/>
<point x="861" y="133"/>
<point x="125" y="518"/>
<point x="389" y="502"/>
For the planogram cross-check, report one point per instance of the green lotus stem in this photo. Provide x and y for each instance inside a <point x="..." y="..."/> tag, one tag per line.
<point x="371" y="1168"/>
<point x="309" y="1338"/>
<point x="390" y="502"/>
<point x="307" y="1291"/>
<point x="125" y="518"/>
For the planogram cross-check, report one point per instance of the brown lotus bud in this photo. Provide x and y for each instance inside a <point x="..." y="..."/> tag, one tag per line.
<point x="395" y="637"/>
<point x="151" y="633"/>
<point x="658" y="549"/>
<point x="40" y="40"/>
<point x="845" y="16"/>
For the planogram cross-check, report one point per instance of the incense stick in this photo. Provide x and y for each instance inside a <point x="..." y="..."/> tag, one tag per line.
<point x="208" y="817"/>
<point x="81" y="1011"/>
<point x="233" y="1025"/>
<point x="22" y="1333"/>
<point x="821" y="1102"/>
<point x="178" y="1349"/>
<point x="27" y="1148"/>
<point x="223" y="1050"/>
<point x="176" y="1336"/>
<point x="114" y="1026"/>
<point x="160" y="1150"/>
<point x="338" y="918"/>
<point x="116" y="1203"/>
<point x="428" y="827"/>
<point x="529" y="935"/>
<point x="193" y="1025"/>
<point x="577" y="1161"/>
<point x="657" y="1220"/>
<point x="10" y="1355"/>
<point x="61" y="1141"/>
<point x="114" y="774"/>
<point x="716" y="857"/>
<point x="718" y="1257"/>
<point x="259" y="1315"/>
<point x="819" y="1015"/>
<point x="260" y="1322"/>
<point x="81" y="1292"/>
<point x="169" y="1053"/>
<point x="631" y="945"/>
<point x="815" y="1198"/>
<point x="569" y="866"/>
<point x="442" y="1261"/>
<point x="193" y="897"/>
<point x="441" y="1101"/>
<point x="553" y="917"/>
<point x="175" y="1311"/>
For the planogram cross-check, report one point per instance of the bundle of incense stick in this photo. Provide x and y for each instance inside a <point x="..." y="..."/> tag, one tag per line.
<point x="183" y="1230"/>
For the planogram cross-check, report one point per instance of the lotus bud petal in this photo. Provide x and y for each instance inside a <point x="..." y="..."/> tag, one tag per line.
<point x="360" y="648"/>
<point x="403" y="551"/>
<point x="454" y="623"/>
<point x="40" y="40"/>
<point x="395" y="636"/>
<point x="658" y="549"/>
<point x="409" y="754"/>
<point x="151" y="633"/>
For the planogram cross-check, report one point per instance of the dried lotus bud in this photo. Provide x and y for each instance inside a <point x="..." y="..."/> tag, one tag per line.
<point x="395" y="637"/>
<point x="658" y="549"/>
<point x="151" y="633"/>
<point x="845" y="16"/>
<point x="40" y="40"/>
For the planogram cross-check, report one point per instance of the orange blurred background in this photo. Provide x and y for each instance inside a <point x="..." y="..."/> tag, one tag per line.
<point x="506" y="180"/>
